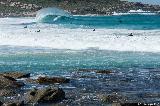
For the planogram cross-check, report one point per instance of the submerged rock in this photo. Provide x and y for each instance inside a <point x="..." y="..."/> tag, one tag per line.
<point x="52" y="80"/>
<point x="103" y="72"/>
<point x="16" y="75"/>
<point x="96" y="71"/>
<point x="46" y="95"/>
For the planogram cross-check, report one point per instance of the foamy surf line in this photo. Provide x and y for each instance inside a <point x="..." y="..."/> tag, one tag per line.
<point x="55" y="37"/>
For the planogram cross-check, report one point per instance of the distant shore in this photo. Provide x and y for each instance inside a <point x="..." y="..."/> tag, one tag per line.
<point x="22" y="8"/>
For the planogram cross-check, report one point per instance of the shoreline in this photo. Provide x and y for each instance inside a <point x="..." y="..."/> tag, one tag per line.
<point x="18" y="8"/>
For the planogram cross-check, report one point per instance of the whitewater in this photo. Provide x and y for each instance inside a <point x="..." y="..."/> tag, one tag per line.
<point x="59" y="36"/>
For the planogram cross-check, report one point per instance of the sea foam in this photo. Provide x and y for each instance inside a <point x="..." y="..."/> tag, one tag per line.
<point x="13" y="33"/>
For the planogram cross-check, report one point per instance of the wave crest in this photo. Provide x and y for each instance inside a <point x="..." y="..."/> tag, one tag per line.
<point x="55" y="13"/>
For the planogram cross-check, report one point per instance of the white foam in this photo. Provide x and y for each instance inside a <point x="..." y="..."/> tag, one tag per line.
<point x="13" y="33"/>
<point x="139" y="11"/>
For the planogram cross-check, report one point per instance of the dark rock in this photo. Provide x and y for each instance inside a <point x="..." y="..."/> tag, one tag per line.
<point x="32" y="81"/>
<point x="7" y="92"/>
<point x="113" y="98"/>
<point x="15" y="104"/>
<point x="1" y="103"/>
<point x="96" y="71"/>
<point x="8" y="82"/>
<point x="103" y="72"/>
<point x="9" y="78"/>
<point x="47" y="95"/>
<point x="16" y="75"/>
<point x="52" y="80"/>
<point x="87" y="76"/>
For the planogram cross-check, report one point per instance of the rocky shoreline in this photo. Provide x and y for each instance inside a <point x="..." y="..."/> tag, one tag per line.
<point x="18" y="8"/>
<point x="12" y="92"/>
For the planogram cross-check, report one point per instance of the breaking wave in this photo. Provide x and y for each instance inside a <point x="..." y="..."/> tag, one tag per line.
<point x="51" y="14"/>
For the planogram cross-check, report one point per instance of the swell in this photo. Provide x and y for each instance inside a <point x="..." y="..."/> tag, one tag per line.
<point x="137" y="22"/>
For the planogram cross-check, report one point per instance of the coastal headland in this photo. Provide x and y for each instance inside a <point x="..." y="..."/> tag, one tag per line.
<point x="77" y="7"/>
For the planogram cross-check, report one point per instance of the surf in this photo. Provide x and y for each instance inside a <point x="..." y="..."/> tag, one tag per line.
<point x="51" y="14"/>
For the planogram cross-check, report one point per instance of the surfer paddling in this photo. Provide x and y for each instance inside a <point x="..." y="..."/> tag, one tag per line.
<point x="130" y="34"/>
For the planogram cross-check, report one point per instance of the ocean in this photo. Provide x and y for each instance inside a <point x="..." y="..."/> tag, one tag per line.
<point x="56" y="43"/>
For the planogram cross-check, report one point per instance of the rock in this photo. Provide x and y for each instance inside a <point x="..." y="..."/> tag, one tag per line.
<point x="32" y="81"/>
<point x="46" y="95"/>
<point x="113" y="98"/>
<point x="7" y="92"/>
<point x="1" y="103"/>
<point x="9" y="82"/>
<point x="103" y="72"/>
<point x="16" y="75"/>
<point x="21" y="103"/>
<point x="52" y="80"/>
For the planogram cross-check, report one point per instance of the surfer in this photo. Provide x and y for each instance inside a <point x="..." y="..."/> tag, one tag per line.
<point x="94" y="30"/>
<point x="38" y="30"/>
<point x="130" y="34"/>
<point x="25" y="26"/>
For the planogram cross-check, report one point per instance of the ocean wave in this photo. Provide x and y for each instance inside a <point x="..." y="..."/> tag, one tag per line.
<point x="53" y="12"/>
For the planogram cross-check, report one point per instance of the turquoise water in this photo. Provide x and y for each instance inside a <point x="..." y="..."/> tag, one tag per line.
<point x="141" y="22"/>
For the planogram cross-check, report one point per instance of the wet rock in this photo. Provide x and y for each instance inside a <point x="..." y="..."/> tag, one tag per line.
<point x="95" y="70"/>
<point x="16" y="75"/>
<point x="9" y="82"/>
<point x="7" y="92"/>
<point x="52" y="80"/>
<point x="1" y="103"/>
<point x="87" y="76"/>
<point x="113" y="98"/>
<point x="21" y="103"/>
<point x="103" y="72"/>
<point x="32" y="81"/>
<point x="46" y="95"/>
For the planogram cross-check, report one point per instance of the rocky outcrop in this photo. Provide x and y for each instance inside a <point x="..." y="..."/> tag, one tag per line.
<point x="81" y="7"/>
<point x="45" y="95"/>
<point x="52" y="80"/>
<point x="16" y="75"/>
<point x="9" y="82"/>
<point x="21" y="103"/>
<point x="1" y="103"/>
<point x="103" y="72"/>
<point x="96" y="71"/>
<point x="9" y="85"/>
<point x="113" y="98"/>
